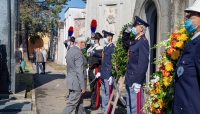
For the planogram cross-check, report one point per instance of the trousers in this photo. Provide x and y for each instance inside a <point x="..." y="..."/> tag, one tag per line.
<point x="75" y="102"/>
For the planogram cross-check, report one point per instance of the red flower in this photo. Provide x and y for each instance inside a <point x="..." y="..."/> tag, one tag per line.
<point x="173" y="43"/>
<point x="159" y="111"/>
<point x="175" y="34"/>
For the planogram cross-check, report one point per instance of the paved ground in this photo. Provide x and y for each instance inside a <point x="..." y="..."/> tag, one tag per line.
<point x="50" y="100"/>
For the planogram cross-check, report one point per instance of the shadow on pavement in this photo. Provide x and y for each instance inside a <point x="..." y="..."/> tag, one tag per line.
<point x="40" y="79"/>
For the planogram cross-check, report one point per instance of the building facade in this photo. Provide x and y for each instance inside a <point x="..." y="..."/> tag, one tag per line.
<point x="162" y="15"/>
<point x="74" y="17"/>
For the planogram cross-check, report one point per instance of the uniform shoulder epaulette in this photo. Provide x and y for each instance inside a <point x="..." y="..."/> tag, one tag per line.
<point x="144" y="38"/>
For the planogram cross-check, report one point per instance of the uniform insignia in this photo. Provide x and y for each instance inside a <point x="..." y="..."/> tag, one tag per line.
<point x="144" y="38"/>
<point x="180" y="71"/>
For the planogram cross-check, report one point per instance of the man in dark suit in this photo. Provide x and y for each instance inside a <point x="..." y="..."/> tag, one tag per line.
<point x="137" y="65"/>
<point x="187" y="75"/>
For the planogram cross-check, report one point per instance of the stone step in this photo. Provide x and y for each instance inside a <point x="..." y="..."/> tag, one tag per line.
<point x="15" y="105"/>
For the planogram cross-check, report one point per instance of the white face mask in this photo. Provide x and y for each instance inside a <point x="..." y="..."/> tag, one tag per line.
<point x="106" y="41"/>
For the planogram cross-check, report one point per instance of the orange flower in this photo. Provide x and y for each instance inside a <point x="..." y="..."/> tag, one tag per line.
<point x="175" y="34"/>
<point x="170" y="50"/>
<point x="165" y="73"/>
<point x="173" y="43"/>
<point x="161" y="67"/>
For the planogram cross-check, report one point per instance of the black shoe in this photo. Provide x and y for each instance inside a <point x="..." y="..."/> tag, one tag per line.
<point x="93" y="108"/>
<point x="42" y="73"/>
<point x="36" y="73"/>
<point x="88" y="107"/>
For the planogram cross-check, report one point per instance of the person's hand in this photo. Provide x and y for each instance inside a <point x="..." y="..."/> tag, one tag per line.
<point x="129" y="28"/>
<point x="110" y="80"/>
<point x="83" y="91"/>
<point x="136" y="87"/>
<point x="98" y="75"/>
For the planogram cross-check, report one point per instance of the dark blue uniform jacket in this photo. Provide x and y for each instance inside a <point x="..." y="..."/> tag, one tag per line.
<point x="138" y="59"/>
<point x="187" y="85"/>
<point x="106" y="67"/>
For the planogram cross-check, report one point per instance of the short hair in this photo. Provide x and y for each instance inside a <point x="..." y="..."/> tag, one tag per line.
<point x="80" y="38"/>
<point x="144" y="28"/>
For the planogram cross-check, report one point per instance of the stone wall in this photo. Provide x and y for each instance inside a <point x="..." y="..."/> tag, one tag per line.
<point x="8" y="16"/>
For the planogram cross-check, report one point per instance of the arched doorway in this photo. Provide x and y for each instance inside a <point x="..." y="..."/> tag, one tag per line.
<point x="38" y="43"/>
<point x="149" y="12"/>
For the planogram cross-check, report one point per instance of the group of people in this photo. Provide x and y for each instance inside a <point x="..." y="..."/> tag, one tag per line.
<point x="40" y="58"/>
<point x="187" y="89"/>
<point x="100" y="69"/>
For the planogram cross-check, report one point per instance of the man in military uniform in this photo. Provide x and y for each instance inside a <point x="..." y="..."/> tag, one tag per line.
<point x="106" y="71"/>
<point x="187" y="75"/>
<point x="69" y="43"/>
<point x="94" y="62"/>
<point x="137" y="65"/>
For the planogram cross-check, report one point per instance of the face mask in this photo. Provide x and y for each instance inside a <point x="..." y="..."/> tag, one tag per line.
<point x="68" y="43"/>
<point x="133" y="30"/>
<point x="105" y="41"/>
<point x="189" y="27"/>
<point x="92" y="42"/>
<point x="84" y="47"/>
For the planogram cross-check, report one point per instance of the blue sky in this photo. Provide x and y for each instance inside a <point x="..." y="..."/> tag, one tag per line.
<point x="72" y="3"/>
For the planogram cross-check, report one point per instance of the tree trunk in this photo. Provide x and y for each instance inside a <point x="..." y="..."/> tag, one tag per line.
<point x="24" y="41"/>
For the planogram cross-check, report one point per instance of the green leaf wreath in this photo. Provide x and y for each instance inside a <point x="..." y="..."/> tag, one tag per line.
<point x="119" y="57"/>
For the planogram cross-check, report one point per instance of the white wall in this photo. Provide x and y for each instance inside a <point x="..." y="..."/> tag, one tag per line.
<point x="70" y="15"/>
<point x="120" y="12"/>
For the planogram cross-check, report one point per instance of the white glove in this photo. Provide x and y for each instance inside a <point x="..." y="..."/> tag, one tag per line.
<point x="136" y="87"/>
<point x="110" y="80"/>
<point x="129" y="28"/>
<point x="98" y="75"/>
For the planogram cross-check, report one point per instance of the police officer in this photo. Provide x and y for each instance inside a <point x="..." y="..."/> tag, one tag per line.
<point x="137" y="64"/>
<point x="105" y="73"/>
<point x="94" y="61"/>
<point x="187" y="75"/>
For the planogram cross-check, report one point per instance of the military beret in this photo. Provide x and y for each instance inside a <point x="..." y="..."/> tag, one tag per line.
<point x="72" y="39"/>
<point x="138" y="21"/>
<point x="106" y="33"/>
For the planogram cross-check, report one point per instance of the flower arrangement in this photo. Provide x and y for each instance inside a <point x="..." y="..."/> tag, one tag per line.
<point x="119" y="57"/>
<point x="161" y="86"/>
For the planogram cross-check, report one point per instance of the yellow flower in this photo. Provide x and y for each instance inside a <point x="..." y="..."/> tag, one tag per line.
<point x="183" y="37"/>
<point x="182" y="30"/>
<point x="179" y="44"/>
<point x="170" y="37"/>
<point x="175" y="55"/>
<point x="169" y="66"/>
<point x="167" y="80"/>
<point x="160" y="103"/>
<point x="158" y="88"/>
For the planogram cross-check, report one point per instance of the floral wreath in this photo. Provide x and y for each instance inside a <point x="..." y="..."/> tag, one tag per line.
<point x="161" y="86"/>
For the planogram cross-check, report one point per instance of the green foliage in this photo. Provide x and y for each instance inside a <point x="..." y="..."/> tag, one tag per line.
<point x="119" y="57"/>
<point x="40" y="16"/>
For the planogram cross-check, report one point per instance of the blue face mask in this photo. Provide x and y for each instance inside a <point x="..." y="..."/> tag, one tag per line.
<point x="68" y="43"/>
<point x="189" y="27"/>
<point x="83" y="48"/>
<point x="133" y="30"/>
<point x="92" y="42"/>
<point x="105" y="41"/>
